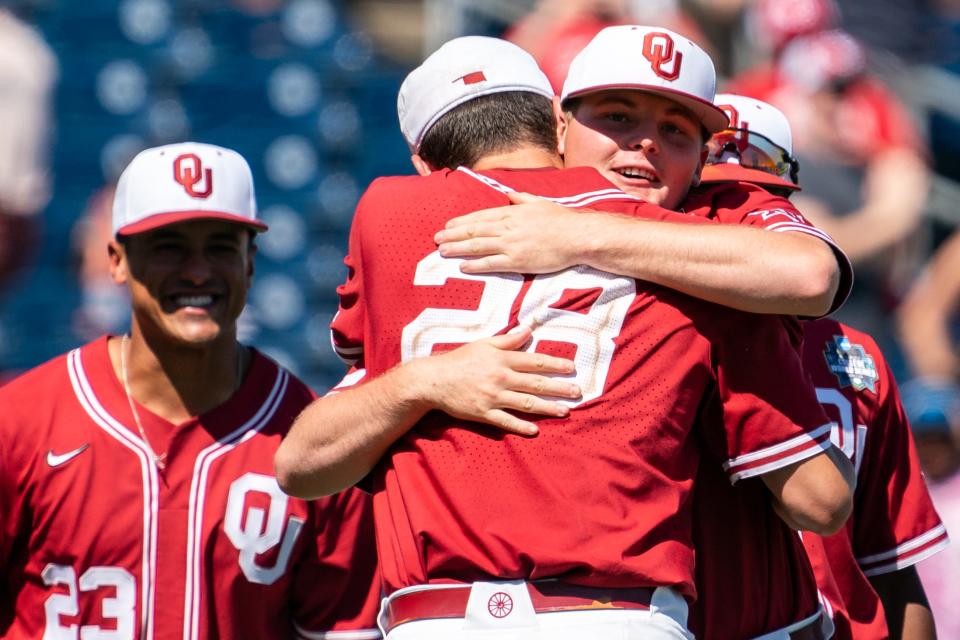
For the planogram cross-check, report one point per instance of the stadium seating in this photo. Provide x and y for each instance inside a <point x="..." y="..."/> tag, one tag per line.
<point x="296" y="89"/>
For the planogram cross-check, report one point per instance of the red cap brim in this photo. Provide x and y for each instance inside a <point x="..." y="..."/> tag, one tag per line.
<point x="736" y="173"/>
<point x="158" y="220"/>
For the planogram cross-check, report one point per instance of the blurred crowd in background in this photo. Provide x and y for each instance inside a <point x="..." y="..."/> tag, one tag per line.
<point x="306" y="90"/>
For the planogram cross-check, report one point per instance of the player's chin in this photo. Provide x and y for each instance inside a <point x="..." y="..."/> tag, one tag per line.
<point x="653" y="195"/>
<point x="196" y="332"/>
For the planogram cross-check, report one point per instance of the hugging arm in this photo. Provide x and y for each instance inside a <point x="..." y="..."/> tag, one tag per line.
<point x="738" y="266"/>
<point x="339" y="438"/>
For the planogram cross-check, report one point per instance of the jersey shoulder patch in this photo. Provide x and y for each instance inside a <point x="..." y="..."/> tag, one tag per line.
<point x="851" y="364"/>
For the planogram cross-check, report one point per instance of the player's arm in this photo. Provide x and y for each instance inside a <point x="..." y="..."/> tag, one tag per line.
<point x="895" y="523"/>
<point x="339" y="438"/>
<point x="738" y="266"/>
<point x="815" y="494"/>
<point x="773" y="428"/>
<point x="924" y="317"/>
<point x="905" y="604"/>
<point x="895" y="192"/>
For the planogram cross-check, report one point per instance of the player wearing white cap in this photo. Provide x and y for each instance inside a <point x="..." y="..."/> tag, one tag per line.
<point x="756" y="147"/>
<point x="601" y="125"/>
<point x="137" y="493"/>
<point x="583" y="531"/>
<point x="778" y="587"/>
<point x="894" y="524"/>
<point x="604" y="122"/>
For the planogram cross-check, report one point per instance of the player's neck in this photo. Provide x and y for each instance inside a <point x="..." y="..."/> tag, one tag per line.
<point x="522" y="158"/>
<point x="174" y="382"/>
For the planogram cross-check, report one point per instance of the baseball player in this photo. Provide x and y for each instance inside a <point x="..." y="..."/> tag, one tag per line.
<point x="461" y="510"/>
<point x="798" y="270"/>
<point x="773" y="560"/>
<point x="617" y="246"/>
<point x="137" y="492"/>
<point x="894" y="524"/>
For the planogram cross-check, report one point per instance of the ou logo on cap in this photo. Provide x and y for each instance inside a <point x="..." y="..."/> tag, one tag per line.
<point x="188" y="171"/>
<point x="658" y="48"/>
<point x="742" y="128"/>
<point x="732" y="114"/>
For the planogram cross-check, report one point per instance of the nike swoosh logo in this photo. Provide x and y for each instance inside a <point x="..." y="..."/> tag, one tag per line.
<point x="57" y="459"/>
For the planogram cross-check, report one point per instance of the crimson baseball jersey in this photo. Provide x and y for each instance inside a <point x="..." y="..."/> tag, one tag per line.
<point x="894" y="524"/>
<point x="95" y="539"/>
<point x="746" y="203"/>
<point x="601" y="497"/>
<point x="752" y="572"/>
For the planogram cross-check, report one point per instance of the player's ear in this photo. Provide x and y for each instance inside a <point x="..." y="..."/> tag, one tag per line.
<point x="561" y="122"/>
<point x="420" y="165"/>
<point x="118" y="261"/>
<point x="251" y="253"/>
<point x="700" y="165"/>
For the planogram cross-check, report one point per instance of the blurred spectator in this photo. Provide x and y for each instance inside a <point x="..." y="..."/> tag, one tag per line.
<point x="28" y="71"/>
<point x="747" y="33"/>
<point x="556" y="30"/>
<point x="932" y="402"/>
<point x="865" y="176"/>
<point x="104" y="307"/>
<point x="897" y="29"/>
<point x="938" y="446"/>
<point x="773" y="24"/>
<point x="395" y="26"/>
<point x="926" y="316"/>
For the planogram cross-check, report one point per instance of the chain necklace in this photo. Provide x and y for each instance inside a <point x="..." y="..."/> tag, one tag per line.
<point x="159" y="460"/>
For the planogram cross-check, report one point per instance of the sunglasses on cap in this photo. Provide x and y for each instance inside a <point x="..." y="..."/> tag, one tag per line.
<point x="754" y="152"/>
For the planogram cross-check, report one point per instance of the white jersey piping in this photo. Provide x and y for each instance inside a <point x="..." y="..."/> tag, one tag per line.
<point x="201" y="467"/>
<point x="115" y="429"/>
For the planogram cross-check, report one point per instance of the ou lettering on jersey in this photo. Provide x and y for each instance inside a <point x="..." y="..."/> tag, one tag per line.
<point x="113" y="546"/>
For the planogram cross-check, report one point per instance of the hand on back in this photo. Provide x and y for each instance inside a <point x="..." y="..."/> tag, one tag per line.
<point x="533" y="235"/>
<point x="486" y="380"/>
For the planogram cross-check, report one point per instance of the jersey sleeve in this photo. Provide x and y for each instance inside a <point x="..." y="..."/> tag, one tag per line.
<point x="768" y="408"/>
<point x="777" y="214"/>
<point x="355" y="377"/>
<point x="337" y="586"/>
<point x="9" y="520"/>
<point x="346" y="329"/>
<point x="11" y="510"/>
<point x="15" y="521"/>
<point x="895" y="522"/>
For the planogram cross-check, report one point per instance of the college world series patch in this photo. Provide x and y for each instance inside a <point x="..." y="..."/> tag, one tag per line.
<point x="851" y="363"/>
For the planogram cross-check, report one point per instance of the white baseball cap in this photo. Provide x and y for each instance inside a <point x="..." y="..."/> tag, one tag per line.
<point x="757" y="116"/>
<point x="763" y="145"/>
<point x="650" y="59"/>
<point x="461" y="70"/>
<point x="184" y="181"/>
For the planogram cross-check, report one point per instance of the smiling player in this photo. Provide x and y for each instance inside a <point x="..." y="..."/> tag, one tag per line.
<point x="137" y="493"/>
